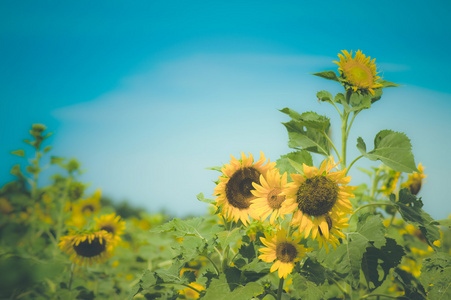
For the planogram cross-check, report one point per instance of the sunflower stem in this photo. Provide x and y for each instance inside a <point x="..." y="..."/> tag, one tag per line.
<point x="332" y="144"/>
<point x="72" y="268"/>
<point x="339" y="286"/>
<point x="379" y="295"/>
<point x="280" y="289"/>
<point x="350" y="165"/>
<point x="213" y="263"/>
<point x="344" y="139"/>
<point x="371" y="204"/>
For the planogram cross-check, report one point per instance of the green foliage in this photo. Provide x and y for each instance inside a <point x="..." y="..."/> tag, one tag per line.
<point x="392" y="148"/>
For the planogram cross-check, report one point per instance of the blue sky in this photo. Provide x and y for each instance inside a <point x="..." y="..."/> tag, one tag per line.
<point x="146" y="94"/>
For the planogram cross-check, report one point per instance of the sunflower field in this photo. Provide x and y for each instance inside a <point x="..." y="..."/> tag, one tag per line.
<point x="283" y="229"/>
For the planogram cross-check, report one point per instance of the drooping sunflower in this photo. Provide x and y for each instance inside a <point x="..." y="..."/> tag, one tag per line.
<point x="389" y="185"/>
<point x="317" y="197"/>
<point x="415" y="181"/>
<point x="358" y="73"/>
<point x="234" y="189"/>
<point x="88" y="247"/>
<point x="112" y="224"/>
<point x="335" y="224"/>
<point x="284" y="250"/>
<point x="269" y="195"/>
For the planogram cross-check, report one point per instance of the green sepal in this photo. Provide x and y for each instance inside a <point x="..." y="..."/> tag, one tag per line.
<point x="393" y="149"/>
<point x="330" y="75"/>
<point x="386" y="84"/>
<point x="202" y="198"/>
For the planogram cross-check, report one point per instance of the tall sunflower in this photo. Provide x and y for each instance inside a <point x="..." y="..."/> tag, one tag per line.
<point x="283" y="250"/>
<point x="235" y="185"/>
<point x="389" y="184"/>
<point x="87" y="247"/>
<point x="317" y="197"/>
<point x="359" y="72"/>
<point x="112" y="224"/>
<point x="269" y="197"/>
<point x="415" y="180"/>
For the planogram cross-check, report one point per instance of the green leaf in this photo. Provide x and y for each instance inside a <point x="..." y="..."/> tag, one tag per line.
<point x="19" y="152"/>
<point x="219" y="290"/>
<point x="15" y="170"/>
<point x="201" y="197"/>
<point x="386" y="84"/>
<point x="229" y="237"/>
<point x="325" y="96"/>
<point x="308" y="139"/>
<point x="393" y="149"/>
<point x="305" y="289"/>
<point x="182" y="227"/>
<point x="47" y="149"/>
<point x="412" y="287"/>
<point x="436" y="276"/>
<point x="331" y="75"/>
<point x="54" y="160"/>
<point x="248" y="251"/>
<point x="289" y="163"/>
<point x="411" y="211"/>
<point x="386" y="258"/>
<point x="313" y="271"/>
<point x="444" y="222"/>
<point x="215" y="168"/>
<point x="347" y="258"/>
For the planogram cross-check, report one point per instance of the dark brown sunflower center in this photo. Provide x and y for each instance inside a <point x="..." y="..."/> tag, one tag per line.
<point x="329" y="224"/>
<point x="238" y="188"/>
<point x="108" y="228"/>
<point x="317" y="195"/>
<point x="87" y="249"/>
<point x="88" y="207"/>
<point x="275" y="199"/>
<point x="286" y="252"/>
<point x="415" y="186"/>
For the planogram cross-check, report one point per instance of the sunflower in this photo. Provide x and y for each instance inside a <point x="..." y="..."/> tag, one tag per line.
<point x="415" y="181"/>
<point x="390" y="183"/>
<point x="284" y="250"/>
<point x="358" y="73"/>
<point x="89" y="206"/>
<point x="335" y="225"/>
<point x="87" y="247"/>
<point x="269" y="198"/>
<point x="317" y="197"/>
<point x="235" y="186"/>
<point x="112" y="224"/>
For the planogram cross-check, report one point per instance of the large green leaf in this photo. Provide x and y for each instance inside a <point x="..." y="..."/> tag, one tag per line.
<point x="306" y="289"/>
<point x="436" y="276"/>
<point x="307" y="139"/>
<point x="385" y="258"/>
<point x="392" y="148"/>
<point x="413" y="289"/>
<point x="219" y="290"/>
<point x="347" y="258"/>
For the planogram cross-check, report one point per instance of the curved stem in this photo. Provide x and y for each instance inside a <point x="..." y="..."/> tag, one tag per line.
<point x="350" y="123"/>
<point x="350" y="165"/>
<point x="371" y="204"/>
<point x="212" y="262"/>
<point x="280" y="289"/>
<point x="339" y="286"/>
<point x="332" y="144"/>
<point x="336" y="108"/>
<point x="344" y="139"/>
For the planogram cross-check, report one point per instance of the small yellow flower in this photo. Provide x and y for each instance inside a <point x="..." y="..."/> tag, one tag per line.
<point x="358" y="73"/>
<point x="269" y="197"/>
<point x="190" y="293"/>
<point x="5" y="207"/>
<point x="415" y="181"/>
<point x="283" y="250"/>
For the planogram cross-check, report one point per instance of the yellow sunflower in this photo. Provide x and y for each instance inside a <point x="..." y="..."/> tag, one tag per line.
<point x="415" y="180"/>
<point x="358" y="73"/>
<point x="234" y="189"/>
<point x="317" y="197"/>
<point x="269" y="198"/>
<point x="112" y="224"/>
<point x="87" y="247"/>
<point x="89" y="206"/>
<point x="335" y="225"/>
<point x="284" y="250"/>
<point x="390" y="183"/>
